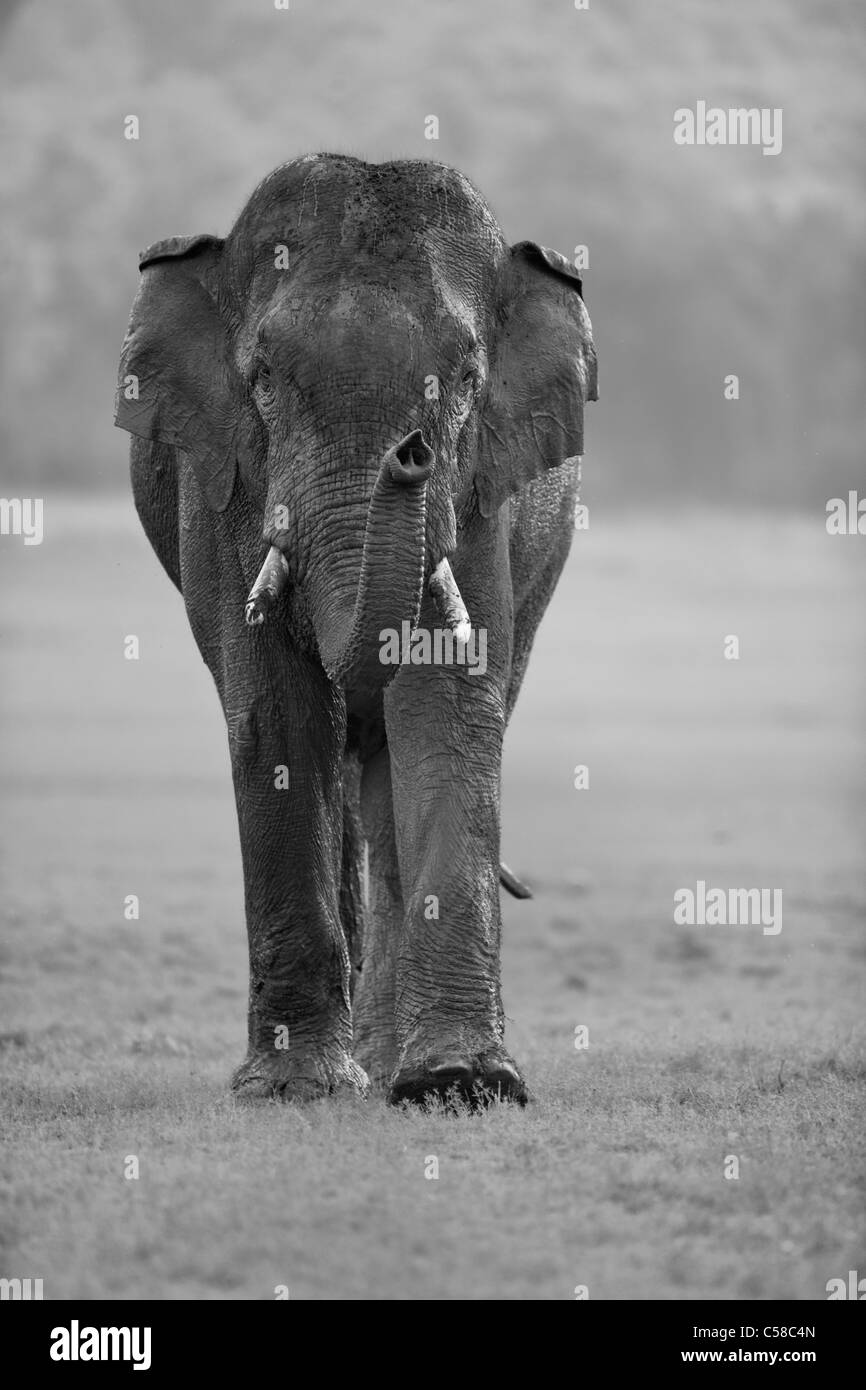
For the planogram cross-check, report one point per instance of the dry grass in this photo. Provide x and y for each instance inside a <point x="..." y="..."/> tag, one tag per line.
<point x="118" y="1037"/>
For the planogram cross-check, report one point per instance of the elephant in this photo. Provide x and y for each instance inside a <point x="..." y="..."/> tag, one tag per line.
<point x="360" y="414"/>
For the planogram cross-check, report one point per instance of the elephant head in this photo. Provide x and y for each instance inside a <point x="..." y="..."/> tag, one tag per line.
<point x="368" y="360"/>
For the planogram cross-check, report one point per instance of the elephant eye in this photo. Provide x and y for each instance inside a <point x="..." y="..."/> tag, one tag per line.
<point x="260" y="374"/>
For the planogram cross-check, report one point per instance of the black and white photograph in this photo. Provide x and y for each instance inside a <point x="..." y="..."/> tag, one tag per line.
<point x="432" y="666"/>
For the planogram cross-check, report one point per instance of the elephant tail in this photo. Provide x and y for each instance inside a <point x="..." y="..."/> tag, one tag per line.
<point x="512" y="883"/>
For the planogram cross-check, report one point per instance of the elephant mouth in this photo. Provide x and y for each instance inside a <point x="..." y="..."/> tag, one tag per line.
<point x="392" y="577"/>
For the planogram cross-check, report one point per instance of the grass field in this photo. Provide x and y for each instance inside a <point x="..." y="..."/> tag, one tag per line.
<point x="117" y="1037"/>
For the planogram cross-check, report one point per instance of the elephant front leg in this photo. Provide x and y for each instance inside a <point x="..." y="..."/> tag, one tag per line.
<point x="374" y="1003"/>
<point x="445" y="730"/>
<point x="286" y="761"/>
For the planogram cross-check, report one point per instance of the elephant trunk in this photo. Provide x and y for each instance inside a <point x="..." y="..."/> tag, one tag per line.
<point x="391" y="580"/>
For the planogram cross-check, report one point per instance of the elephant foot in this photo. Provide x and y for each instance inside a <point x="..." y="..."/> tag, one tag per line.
<point x="476" y="1079"/>
<point x="266" y="1077"/>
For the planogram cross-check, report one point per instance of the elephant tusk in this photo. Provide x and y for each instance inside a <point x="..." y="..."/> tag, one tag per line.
<point x="443" y="587"/>
<point x="516" y="887"/>
<point x="272" y="579"/>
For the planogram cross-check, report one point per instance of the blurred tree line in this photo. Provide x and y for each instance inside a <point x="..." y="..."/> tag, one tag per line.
<point x="702" y="261"/>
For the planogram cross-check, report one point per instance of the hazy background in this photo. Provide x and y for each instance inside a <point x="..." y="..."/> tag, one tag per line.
<point x="118" y="1036"/>
<point x="703" y="261"/>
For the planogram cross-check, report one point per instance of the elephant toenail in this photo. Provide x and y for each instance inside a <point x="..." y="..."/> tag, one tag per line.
<point x="451" y="1072"/>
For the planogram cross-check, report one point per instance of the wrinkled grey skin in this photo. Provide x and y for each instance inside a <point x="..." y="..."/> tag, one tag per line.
<point x="267" y="400"/>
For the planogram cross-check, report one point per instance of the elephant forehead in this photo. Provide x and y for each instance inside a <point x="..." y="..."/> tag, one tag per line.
<point x="381" y="311"/>
<point x="368" y="321"/>
<point x="369" y="225"/>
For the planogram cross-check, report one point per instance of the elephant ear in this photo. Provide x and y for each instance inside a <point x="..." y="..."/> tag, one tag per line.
<point x="542" y="370"/>
<point x="177" y="383"/>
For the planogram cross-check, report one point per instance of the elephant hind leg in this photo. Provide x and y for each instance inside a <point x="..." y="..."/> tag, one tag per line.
<point x="374" y="1002"/>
